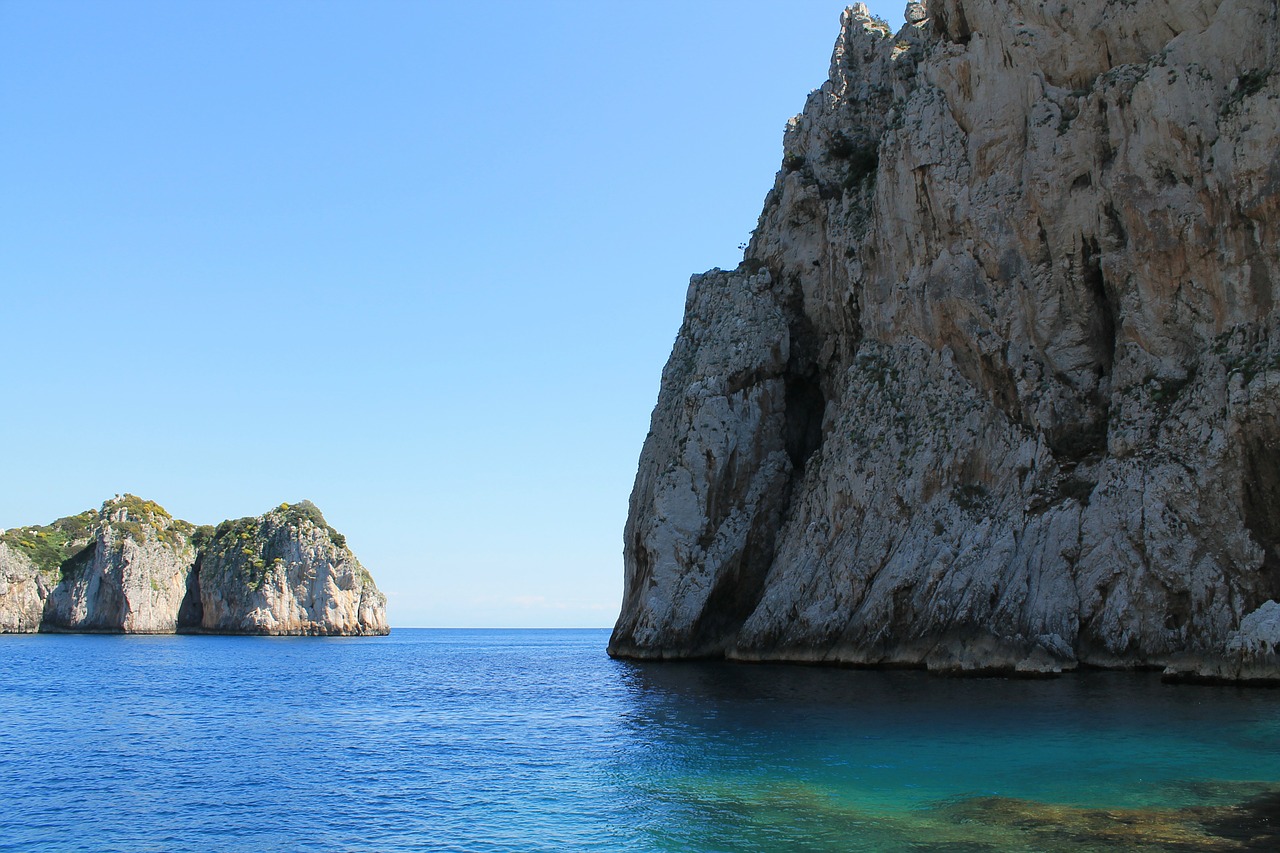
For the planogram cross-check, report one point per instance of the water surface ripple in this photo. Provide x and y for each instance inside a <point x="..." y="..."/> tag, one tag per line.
<point x="438" y="740"/>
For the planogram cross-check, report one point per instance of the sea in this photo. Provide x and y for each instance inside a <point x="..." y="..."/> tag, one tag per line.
<point x="535" y="740"/>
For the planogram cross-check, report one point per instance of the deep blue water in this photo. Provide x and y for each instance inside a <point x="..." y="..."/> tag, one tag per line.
<point x="535" y="740"/>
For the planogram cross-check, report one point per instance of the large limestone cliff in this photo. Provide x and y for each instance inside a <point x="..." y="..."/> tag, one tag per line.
<point x="997" y="384"/>
<point x="132" y="568"/>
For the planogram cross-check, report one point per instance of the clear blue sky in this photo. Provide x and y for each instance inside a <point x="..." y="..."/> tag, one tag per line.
<point x="420" y="263"/>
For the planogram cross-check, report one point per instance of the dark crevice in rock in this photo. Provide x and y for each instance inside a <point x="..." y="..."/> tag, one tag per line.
<point x="1079" y="489"/>
<point x="1083" y="435"/>
<point x="1074" y="443"/>
<point x="1260" y="282"/>
<point x="1177" y="609"/>
<point x="806" y="399"/>
<point x="1117" y="235"/>
<point x="1105" y="313"/>
<point x="957" y="30"/>
<point x="191" y="611"/>
<point x="738" y="589"/>
<point x="111" y="607"/>
<point x="1045" y="256"/>
<point x="805" y="407"/>
<point x="721" y="497"/>
<point x="1261" y="495"/>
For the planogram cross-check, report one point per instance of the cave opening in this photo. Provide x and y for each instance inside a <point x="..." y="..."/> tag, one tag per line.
<point x="191" y="611"/>
<point x="805" y="407"/>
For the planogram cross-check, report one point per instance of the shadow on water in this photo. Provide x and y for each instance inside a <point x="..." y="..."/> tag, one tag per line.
<point x="763" y="757"/>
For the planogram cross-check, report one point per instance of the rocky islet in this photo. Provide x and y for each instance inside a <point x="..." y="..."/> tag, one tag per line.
<point x="132" y="568"/>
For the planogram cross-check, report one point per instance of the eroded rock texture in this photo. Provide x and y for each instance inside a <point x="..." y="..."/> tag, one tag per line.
<point x="129" y="576"/>
<point x="132" y="568"/>
<point x="23" y="590"/>
<point x="997" y="385"/>
<point x="286" y="572"/>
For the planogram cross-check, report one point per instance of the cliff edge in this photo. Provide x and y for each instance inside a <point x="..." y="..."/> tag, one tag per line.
<point x="996" y="387"/>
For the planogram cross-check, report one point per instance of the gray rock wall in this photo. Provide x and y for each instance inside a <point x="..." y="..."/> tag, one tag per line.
<point x="997" y="384"/>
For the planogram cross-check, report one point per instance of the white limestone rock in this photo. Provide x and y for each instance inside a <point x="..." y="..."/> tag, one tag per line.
<point x="131" y="577"/>
<point x="132" y="568"/>
<point x="997" y="385"/>
<point x="23" y="589"/>
<point x="286" y="572"/>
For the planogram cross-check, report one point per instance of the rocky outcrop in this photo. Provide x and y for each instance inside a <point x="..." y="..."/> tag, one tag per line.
<point x="133" y="568"/>
<point x="130" y="577"/>
<point x="23" y="590"/>
<point x="286" y="572"/>
<point x="31" y="566"/>
<point x="997" y="384"/>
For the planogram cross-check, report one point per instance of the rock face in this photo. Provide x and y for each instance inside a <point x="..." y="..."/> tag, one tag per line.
<point x="997" y="384"/>
<point x="132" y="568"/>
<point x="31" y="567"/>
<point x="286" y="572"/>
<point x="23" y="590"/>
<point x="130" y="576"/>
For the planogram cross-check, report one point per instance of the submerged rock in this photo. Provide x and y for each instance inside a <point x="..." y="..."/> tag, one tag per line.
<point x="133" y="568"/>
<point x="996" y="387"/>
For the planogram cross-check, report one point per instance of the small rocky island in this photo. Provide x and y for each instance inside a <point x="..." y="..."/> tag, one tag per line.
<point x="132" y="568"/>
<point x="996" y="386"/>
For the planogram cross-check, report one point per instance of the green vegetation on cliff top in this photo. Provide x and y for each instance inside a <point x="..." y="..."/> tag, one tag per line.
<point x="295" y="514"/>
<point x="239" y="542"/>
<point x="50" y="546"/>
<point x="139" y="519"/>
<point x="67" y="545"/>
<point x="136" y="508"/>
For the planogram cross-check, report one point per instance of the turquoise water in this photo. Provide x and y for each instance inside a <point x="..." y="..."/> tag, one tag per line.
<point x="535" y="740"/>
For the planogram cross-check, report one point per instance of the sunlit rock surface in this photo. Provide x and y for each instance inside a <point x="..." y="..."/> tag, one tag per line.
<point x="23" y="590"/>
<point x="286" y="572"/>
<point x="997" y="385"/>
<point x="132" y="568"/>
<point x="129" y="575"/>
